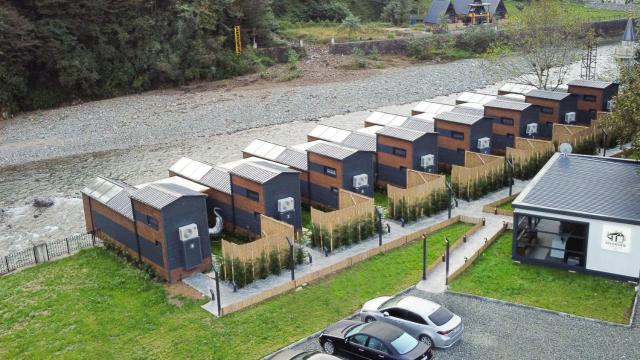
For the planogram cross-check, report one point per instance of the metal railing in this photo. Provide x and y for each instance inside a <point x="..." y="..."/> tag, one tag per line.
<point x="46" y="252"/>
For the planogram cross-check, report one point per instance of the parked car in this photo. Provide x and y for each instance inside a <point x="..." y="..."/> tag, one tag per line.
<point x="302" y="355"/>
<point x="375" y="340"/>
<point x="425" y="320"/>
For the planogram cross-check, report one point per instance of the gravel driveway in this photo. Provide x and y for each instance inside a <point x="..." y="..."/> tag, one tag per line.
<point x="501" y="331"/>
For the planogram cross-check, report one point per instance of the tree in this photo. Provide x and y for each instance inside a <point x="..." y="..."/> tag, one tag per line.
<point x="352" y="25"/>
<point x="624" y="121"/>
<point x="542" y="43"/>
<point x="398" y="11"/>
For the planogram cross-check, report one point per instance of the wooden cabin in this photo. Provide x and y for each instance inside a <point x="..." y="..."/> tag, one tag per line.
<point x="401" y="148"/>
<point x="458" y="133"/>
<point x="510" y="119"/>
<point x="163" y="225"/>
<point x="218" y="183"/>
<point x="262" y="187"/>
<point x="553" y="109"/>
<point x="440" y="10"/>
<point x="593" y="96"/>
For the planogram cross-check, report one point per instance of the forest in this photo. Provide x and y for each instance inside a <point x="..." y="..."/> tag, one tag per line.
<point x="57" y="51"/>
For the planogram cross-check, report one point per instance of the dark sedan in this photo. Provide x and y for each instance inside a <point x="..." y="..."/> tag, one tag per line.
<point x="375" y="340"/>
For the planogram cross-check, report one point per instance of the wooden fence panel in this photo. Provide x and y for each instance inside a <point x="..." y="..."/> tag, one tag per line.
<point x="477" y="167"/>
<point x="420" y="186"/>
<point x="574" y="134"/>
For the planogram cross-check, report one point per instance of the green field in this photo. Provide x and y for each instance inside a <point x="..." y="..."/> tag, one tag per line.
<point x="94" y="305"/>
<point x="495" y="275"/>
<point x="506" y="205"/>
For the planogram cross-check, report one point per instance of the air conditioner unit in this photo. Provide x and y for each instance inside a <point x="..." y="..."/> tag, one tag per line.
<point x="286" y="204"/>
<point x="570" y="117"/>
<point x="427" y="160"/>
<point x="532" y="129"/>
<point x="188" y="232"/>
<point x="484" y="143"/>
<point x="360" y="181"/>
<point x="610" y="105"/>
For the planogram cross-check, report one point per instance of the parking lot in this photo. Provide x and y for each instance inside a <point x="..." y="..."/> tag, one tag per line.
<point x="501" y="331"/>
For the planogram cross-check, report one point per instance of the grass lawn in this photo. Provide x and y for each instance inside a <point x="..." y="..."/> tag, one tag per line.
<point x="323" y="32"/>
<point x="94" y="305"/>
<point x="506" y="205"/>
<point x="495" y="275"/>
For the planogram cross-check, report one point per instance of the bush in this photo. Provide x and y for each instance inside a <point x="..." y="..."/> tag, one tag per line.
<point x="359" y="58"/>
<point x="238" y="273"/>
<point x="249" y="275"/>
<point x="476" y="40"/>
<point x="430" y="48"/>
<point x="300" y="255"/>
<point x="331" y="10"/>
<point x="274" y="262"/>
<point x="263" y="266"/>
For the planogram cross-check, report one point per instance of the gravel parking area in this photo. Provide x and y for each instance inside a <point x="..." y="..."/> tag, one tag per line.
<point x="502" y="331"/>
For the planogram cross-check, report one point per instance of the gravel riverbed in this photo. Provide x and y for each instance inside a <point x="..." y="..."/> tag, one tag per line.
<point x="55" y="153"/>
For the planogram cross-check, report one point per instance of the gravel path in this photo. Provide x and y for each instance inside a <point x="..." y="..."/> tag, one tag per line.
<point x="502" y="331"/>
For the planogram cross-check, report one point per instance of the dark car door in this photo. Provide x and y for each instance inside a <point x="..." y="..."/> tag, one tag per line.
<point x="377" y="349"/>
<point x="356" y="345"/>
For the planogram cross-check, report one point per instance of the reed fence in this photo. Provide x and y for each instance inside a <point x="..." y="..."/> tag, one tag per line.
<point x="529" y="156"/>
<point x="481" y="174"/>
<point x="425" y="194"/>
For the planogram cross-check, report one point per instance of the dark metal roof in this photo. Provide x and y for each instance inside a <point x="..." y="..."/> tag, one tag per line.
<point x="401" y="133"/>
<point x="459" y="118"/>
<point x="217" y="179"/>
<point x="294" y="158"/>
<point x="547" y="94"/>
<point x="437" y="9"/>
<point x="158" y="196"/>
<point x="594" y="84"/>
<point x="586" y="186"/>
<point x="360" y="141"/>
<point x="508" y="105"/>
<point x="259" y="171"/>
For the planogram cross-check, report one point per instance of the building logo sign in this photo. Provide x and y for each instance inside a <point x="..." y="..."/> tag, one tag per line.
<point x="616" y="238"/>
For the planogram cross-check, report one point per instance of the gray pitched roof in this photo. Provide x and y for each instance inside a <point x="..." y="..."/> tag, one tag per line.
<point x="586" y="186"/>
<point x="401" y="133"/>
<point x="437" y="9"/>
<point x="547" y="94"/>
<point x="352" y="139"/>
<point x="259" y="171"/>
<point x="217" y="179"/>
<point x="360" y="141"/>
<point x="158" y="196"/>
<point x="419" y="125"/>
<point x="467" y="110"/>
<point x="202" y="173"/>
<point x="508" y="105"/>
<point x="331" y="150"/>
<point x="459" y="118"/>
<point x="281" y="154"/>
<point x="113" y="194"/>
<point x="294" y="158"/>
<point x="590" y="83"/>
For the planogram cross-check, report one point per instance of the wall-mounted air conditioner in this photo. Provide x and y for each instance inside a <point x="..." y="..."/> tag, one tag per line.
<point x="427" y="160"/>
<point x="532" y="129"/>
<point x="286" y="205"/>
<point x="360" y="181"/>
<point x="610" y="105"/>
<point x="570" y="117"/>
<point x="188" y="232"/>
<point x="484" y="145"/>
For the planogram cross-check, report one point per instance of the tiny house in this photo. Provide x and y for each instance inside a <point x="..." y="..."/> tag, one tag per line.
<point x="332" y="167"/>
<point x="400" y="149"/>
<point x="439" y="11"/>
<point x="458" y="133"/>
<point x="555" y="107"/>
<point x="163" y="225"/>
<point x="510" y="119"/>
<point x="593" y="96"/>
<point x="580" y="213"/>
<point x="261" y="187"/>
<point x="360" y="140"/>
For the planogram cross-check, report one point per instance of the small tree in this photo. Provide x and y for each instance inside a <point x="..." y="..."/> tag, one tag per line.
<point x="352" y="25"/>
<point x="398" y="11"/>
<point x="274" y="262"/>
<point x="263" y="266"/>
<point x="624" y="119"/>
<point x="300" y="255"/>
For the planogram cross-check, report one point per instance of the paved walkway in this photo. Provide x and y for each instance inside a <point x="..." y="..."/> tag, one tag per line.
<point x="204" y="283"/>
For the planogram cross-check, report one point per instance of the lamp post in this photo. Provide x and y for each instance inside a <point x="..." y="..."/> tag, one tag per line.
<point x="451" y="196"/>
<point x="604" y="142"/>
<point x="424" y="257"/>
<point x="292" y="259"/>
<point x="510" y="167"/>
<point x="216" y="271"/>
<point x="446" y="276"/>
<point x="379" y="216"/>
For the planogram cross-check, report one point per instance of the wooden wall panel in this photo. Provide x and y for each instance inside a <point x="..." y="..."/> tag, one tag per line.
<point x="321" y="179"/>
<point x="243" y="202"/>
<point x="393" y="160"/>
<point x="451" y="143"/>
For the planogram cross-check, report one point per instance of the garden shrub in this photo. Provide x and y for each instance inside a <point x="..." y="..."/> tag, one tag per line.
<point x="274" y="262"/>
<point x="476" y="40"/>
<point x="288" y="260"/>
<point x="300" y="255"/>
<point x="249" y="272"/>
<point x="263" y="266"/>
<point x="238" y="275"/>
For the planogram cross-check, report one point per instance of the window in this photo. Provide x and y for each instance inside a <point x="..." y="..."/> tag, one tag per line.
<point x="589" y="98"/>
<point x="256" y="215"/>
<point x="404" y="344"/>
<point x="549" y="124"/>
<point x="509" y="136"/>
<point x="403" y="168"/>
<point x="152" y="222"/>
<point x="157" y="243"/>
<point x="330" y="171"/>
<point x="376" y="344"/>
<point x="253" y="195"/>
<point x="440" y="316"/>
<point x="334" y="190"/>
<point x="460" y="150"/>
<point x="359" y="339"/>
<point x="414" y="318"/>
<point x="546" y="110"/>
<point x="457" y="135"/>
<point x="396" y="313"/>
<point x="399" y="152"/>
<point x="506" y="121"/>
